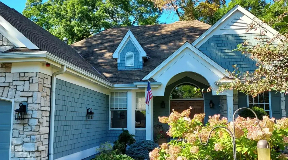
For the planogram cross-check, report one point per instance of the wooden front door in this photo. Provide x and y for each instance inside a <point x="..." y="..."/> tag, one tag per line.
<point x="181" y="105"/>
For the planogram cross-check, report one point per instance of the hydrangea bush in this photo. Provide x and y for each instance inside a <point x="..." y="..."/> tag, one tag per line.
<point x="190" y="135"/>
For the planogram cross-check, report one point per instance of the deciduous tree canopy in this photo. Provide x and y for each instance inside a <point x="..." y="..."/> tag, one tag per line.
<point x="78" y="19"/>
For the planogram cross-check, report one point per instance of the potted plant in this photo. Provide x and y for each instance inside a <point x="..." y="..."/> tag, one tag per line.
<point x="160" y="136"/>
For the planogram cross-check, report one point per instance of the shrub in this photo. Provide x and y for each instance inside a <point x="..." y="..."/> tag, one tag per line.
<point x="124" y="139"/>
<point x="260" y="112"/>
<point x="140" y="150"/>
<point x="112" y="155"/>
<point x="191" y="134"/>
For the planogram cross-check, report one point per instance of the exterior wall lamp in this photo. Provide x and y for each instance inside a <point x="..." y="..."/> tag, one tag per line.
<point x="162" y="104"/>
<point x="89" y="113"/>
<point x="21" y="111"/>
<point x="211" y="104"/>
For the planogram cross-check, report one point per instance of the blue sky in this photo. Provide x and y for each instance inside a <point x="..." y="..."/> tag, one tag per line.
<point x="19" y="5"/>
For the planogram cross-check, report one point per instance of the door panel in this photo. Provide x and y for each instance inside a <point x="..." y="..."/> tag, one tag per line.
<point x="180" y="106"/>
<point x="5" y="128"/>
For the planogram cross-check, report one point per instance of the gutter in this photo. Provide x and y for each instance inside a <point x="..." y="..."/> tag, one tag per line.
<point x="52" y="111"/>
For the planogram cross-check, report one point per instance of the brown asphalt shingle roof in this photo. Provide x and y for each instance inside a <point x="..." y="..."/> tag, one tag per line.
<point x="44" y="40"/>
<point x="158" y="41"/>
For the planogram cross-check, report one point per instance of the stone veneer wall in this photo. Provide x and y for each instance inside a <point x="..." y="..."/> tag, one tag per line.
<point x="29" y="136"/>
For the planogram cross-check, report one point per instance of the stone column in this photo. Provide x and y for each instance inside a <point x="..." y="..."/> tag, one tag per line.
<point x="29" y="136"/>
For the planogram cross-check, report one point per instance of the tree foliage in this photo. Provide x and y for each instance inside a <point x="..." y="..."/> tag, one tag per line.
<point x="78" y="19"/>
<point x="186" y="91"/>
<point x="210" y="11"/>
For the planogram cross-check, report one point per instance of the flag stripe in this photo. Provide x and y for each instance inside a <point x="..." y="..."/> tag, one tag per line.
<point x="149" y="94"/>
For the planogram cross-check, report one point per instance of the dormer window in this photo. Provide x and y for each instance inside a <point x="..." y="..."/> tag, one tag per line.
<point x="129" y="59"/>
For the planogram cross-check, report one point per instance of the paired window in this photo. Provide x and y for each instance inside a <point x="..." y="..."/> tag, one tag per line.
<point x="262" y="101"/>
<point x="140" y="111"/>
<point x="129" y="59"/>
<point x="118" y="110"/>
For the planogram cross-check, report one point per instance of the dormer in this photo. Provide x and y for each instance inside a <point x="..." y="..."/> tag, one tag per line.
<point x="129" y="53"/>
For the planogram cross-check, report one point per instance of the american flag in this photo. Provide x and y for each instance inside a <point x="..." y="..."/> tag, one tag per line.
<point x="149" y="94"/>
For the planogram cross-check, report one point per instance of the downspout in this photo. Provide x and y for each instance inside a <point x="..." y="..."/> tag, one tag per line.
<point x="52" y="111"/>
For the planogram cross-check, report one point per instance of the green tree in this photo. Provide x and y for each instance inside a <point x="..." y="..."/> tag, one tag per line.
<point x="186" y="91"/>
<point x="78" y="19"/>
<point x="210" y="11"/>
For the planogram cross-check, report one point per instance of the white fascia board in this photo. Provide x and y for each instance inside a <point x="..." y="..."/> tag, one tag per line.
<point x="14" y="36"/>
<point x="75" y="68"/>
<point x="144" y="84"/>
<point x="129" y="35"/>
<point x="43" y="56"/>
<point x="21" y="55"/>
<point x="192" y="48"/>
<point x="124" y="86"/>
<point x="226" y="16"/>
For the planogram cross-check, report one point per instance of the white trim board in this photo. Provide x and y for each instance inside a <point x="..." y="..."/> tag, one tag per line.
<point x="176" y="53"/>
<point x="14" y="36"/>
<point x="235" y="15"/>
<point x="129" y="36"/>
<point x="186" y="60"/>
<point x="80" y="155"/>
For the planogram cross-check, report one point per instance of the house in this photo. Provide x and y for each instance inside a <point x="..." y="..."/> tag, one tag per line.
<point x="107" y="73"/>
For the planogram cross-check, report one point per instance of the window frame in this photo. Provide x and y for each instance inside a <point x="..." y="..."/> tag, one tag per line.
<point x="133" y="58"/>
<point x="270" y="107"/>
<point x="110" y="95"/>
<point x="136" y="110"/>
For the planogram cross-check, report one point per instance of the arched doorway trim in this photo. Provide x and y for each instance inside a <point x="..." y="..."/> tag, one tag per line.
<point x="188" y="99"/>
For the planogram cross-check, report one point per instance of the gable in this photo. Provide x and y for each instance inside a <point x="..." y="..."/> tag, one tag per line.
<point x="186" y="59"/>
<point x="236" y="21"/>
<point x="14" y="36"/>
<point x="5" y="44"/>
<point x="130" y="48"/>
<point x="220" y="41"/>
<point x="129" y="45"/>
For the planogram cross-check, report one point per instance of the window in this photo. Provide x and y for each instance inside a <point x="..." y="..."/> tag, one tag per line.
<point x="118" y="110"/>
<point x="262" y="101"/>
<point x="140" y="111"/>
<point x="129" y="59"/>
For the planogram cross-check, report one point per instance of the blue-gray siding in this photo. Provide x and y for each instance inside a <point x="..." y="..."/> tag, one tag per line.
<point x="220" y="48"/>
<point x="112" y="135"/>
<point x="140" y="135"/>
<point x="73" y="131"/>
<point x="5" y="128"/>
<point x="130" y="47"/>
<point x="276" y="104"/>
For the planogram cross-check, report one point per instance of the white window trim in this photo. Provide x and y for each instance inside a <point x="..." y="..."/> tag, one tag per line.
<point x="128" y="53"/>
<point x="137" y="110"/>
<point x="110" y="128"/>
<point x="270" y="107"/>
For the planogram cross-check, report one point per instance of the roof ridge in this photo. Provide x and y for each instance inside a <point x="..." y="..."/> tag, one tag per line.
<point x="129" y="28"/>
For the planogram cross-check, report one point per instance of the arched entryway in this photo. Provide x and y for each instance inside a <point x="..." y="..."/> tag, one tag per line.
<point x="186" y="95"/>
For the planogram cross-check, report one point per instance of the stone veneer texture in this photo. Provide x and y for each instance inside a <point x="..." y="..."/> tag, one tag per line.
<point x="29" y="136"/>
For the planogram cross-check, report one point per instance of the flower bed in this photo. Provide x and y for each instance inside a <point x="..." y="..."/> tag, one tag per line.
<point x="193" y="134"/>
